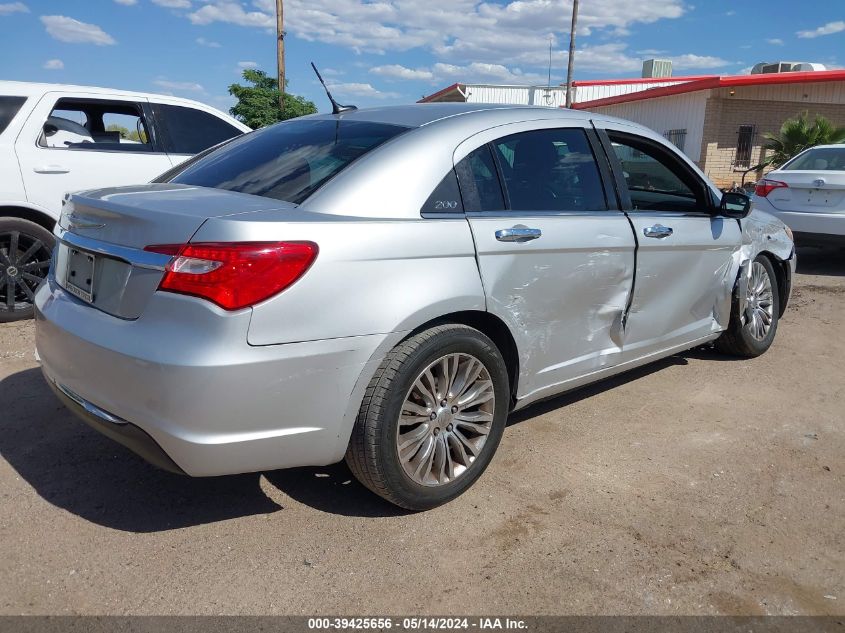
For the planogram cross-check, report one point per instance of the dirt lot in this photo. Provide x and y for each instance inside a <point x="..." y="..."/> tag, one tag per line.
<point x="697" y="485"/>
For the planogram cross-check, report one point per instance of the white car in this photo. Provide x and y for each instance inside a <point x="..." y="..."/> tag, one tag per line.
<point x="56" y="139"/>
<point x="808" y="194"/>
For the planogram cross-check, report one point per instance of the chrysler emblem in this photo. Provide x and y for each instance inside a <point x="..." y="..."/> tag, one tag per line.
<point x="77" y="222"/>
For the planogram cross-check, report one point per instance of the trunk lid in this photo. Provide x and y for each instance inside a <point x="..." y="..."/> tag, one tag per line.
<point x="102" y="233"/>
<point x="809" y="191"/>
<point x="139" y="216"/>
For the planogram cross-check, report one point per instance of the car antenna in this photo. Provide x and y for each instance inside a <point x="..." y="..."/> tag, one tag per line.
<point x="336" y="107"/>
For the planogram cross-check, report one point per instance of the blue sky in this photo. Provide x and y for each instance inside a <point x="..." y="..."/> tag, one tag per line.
<point x="394" y="51"/>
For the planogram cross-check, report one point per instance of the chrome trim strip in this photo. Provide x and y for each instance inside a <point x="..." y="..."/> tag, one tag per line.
<point x="89" y="407"/>
<point x="133" y="256"/>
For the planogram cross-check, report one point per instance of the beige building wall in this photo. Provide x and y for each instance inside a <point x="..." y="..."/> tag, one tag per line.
<point x="725" y="114"/>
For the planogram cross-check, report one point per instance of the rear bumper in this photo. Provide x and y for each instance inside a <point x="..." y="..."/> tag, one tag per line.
<point x="132" y="437"/>
<point x="201" y="400"/>
<point x="813" y="223"/>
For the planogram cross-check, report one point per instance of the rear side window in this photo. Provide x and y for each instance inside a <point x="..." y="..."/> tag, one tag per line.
<point x="96" y="125"/>
<point x="190" y="131"/>
<point x="550" y="170"/>
<point x="479" y="180"/>
<point x="9" y="107"/>
<point x="288" y="161"/>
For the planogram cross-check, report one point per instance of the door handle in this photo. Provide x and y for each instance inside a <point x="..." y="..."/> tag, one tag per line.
<point x="518" y="234"/>
<point x="658" y="230"/>
<point x="51" y="169"/>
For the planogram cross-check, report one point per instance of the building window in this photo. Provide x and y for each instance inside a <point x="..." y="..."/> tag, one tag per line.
<point x="744" y="142"/>
<point x="676" y="137"/>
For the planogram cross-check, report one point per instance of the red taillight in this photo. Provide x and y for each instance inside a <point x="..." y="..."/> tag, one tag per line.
<point x="234" y="275"/>
<point x="765" y="186"/>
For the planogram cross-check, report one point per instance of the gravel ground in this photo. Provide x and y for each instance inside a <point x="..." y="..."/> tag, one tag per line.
<point x="697" y="485"/>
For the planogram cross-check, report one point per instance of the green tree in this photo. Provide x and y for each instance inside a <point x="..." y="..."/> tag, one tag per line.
<point x="798" y="134"/>
<point x="258" y="103"/>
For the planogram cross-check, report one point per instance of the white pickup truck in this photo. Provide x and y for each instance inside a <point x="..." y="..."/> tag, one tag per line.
<point x="55" y="139"/>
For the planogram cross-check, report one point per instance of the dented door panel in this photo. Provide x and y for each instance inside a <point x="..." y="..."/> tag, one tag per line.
<point x="683" y="281"/>
<point x="562" y="295"/>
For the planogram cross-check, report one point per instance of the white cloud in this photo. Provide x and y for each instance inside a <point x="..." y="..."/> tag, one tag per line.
<point x="208" y="43"/>
<point x="468" y="38"/>
<point x="828" y="29"/>
<point x="127" y="3"/>
<point x="13" y="7"/>
<point x="245" y="65"/>
<point x="179" y="86"/>
<point x="173" y="4"/>
<point x="396" y="71"/>
<point x="342" y="90"/>
<point x="776" y="41"/>
<point x="231" y="12"/>
<point x="72" y="31"/>
<point x="53" y="64"/>
<point x="698" y="61"/>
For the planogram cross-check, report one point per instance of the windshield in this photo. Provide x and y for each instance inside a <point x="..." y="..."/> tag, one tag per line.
<point x="288" y="161"/>
<point x="819" y="159"/>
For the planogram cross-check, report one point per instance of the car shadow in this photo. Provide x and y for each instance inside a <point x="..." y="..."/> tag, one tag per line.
<point x="588" y="391"/>
<point x="75" y="468"/>
<point x="79" y="470"/>
<point x="826" y="261"/>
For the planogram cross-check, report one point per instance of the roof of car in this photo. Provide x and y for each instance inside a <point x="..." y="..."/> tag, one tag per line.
<point x="420" y="114"/>
<point x="31" y="89"/>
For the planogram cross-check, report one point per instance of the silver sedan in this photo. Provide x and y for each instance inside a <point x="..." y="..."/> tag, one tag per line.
<point x="387" y="285"/>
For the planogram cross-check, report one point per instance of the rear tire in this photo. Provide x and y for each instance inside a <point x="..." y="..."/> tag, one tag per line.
<point x="25" y="252"/>
<point x="756" y="334"/>
<point x="432" y="417"/>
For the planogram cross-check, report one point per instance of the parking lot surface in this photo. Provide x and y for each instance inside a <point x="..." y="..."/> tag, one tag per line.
<point x="699" y="484"/>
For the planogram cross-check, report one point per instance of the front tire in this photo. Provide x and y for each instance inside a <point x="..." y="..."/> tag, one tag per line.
<point x="432" y="417"/>
<point x="751" y="334"/>
<point x="25" y="252"/>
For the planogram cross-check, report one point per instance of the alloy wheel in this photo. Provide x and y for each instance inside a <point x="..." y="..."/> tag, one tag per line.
<point x="24" y="262"/>
<point x="759" y="301"/>
<point x="445" y="419"/>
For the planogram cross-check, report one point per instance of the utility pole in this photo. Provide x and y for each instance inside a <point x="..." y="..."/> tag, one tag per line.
<point x="280" y="50"/>
<point x="571" y="60"/>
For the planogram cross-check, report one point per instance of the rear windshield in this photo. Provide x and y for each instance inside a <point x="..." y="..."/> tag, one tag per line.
<point x="820" y="159"/>
<point x="9" y="107"/>
<point x="288" y="161"/>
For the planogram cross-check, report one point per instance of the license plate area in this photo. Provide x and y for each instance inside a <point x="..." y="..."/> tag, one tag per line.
<point x="819" y="197"/>
<point x="79" y="274"/>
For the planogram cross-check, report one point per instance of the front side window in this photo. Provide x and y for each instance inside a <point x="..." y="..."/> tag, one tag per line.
<point x="287" y="161"/>
<point x="95" y="125"/>
<point x="819" y="159"/>
<point x="550" y="170"/>
<point x="9" y="107"/>
<point x="191" y="131"/>
<point x="656" y="180"/>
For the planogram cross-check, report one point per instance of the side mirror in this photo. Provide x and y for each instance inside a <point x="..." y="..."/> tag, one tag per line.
<point x="735" y="205"/>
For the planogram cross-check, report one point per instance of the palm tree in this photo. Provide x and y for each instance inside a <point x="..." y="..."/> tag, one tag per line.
<point x="798" y="134"/>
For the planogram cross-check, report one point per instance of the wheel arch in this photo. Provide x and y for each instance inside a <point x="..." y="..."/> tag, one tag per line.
<point x="491" y="326"/>
<point x="783" y="276"/>
<point x="36" y="216"/>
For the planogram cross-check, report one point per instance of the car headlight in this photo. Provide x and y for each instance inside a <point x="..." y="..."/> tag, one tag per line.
<point x="789" y="232"/>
